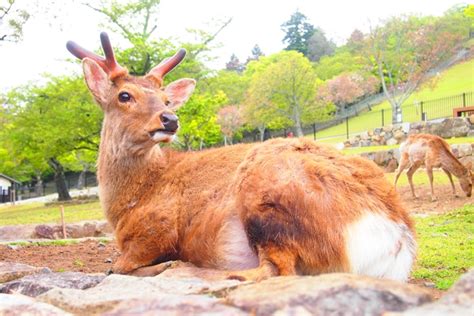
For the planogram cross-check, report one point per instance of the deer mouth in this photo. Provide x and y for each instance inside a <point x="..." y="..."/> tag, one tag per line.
<point x="162" y="135"/>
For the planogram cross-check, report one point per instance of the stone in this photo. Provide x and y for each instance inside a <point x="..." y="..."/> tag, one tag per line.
<point x="391" y="165"/>
<point x="464" y="150"/>
<point x="364" y="136"/>
<point x="166" y="304"/>
<point x="391" y="142"/>
<point x="117" y="288"/>
<point x="470" y="133"/>
<point x="399" y="136"/>
<point x="45" y="231"/>
<point x="36" y="284"/>
<point x="23" y="305"/>
<point x="387" y="128"/>
<point x="16" y="232"/>
<point x="11" y="270"/>
<point x="328" y="294"/>
<point x="78" y="230"/>
<point x="459" y="301"/>
<point x="471" y="119"/>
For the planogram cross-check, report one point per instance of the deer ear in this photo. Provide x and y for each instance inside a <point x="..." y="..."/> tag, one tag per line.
<point x="97" y="80"/>
<point x="179" y="91"/>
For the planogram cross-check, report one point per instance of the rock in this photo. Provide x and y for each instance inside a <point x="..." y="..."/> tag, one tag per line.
<point x="364" y="136"/>
<point x="36" y="284"/>
<point x="328" y="294"/>
<point x="12" y="270"/>
<point x="387" y="128"/>
<point x="391" y="166"/>
<point x="464" y="150"/>
<point x="459" y="301"/>
<point x="16" y="232"/>
<point x="399" y="136"/>
<point x="166" y="304"/>
<point x="470" y="133"/>
<point x="117" y="288"/>
<point x="45" y="231"/>
<point x="391" y="141"/>
<point x="471" y="119"/>
<point x="23" y="305"/>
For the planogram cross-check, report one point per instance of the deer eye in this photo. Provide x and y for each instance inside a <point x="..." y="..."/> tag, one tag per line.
<point x="167" y="102"/>
<point x="124" y="97"/>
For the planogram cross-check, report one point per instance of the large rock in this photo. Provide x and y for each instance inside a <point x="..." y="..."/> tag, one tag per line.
<point x="36" y="284"/>
<point x="329" y="294"/>
<point x="16" y="232"/>
<point x="458" y="301"/>
<point x="78" y="230"/>
<point x="447" y="128"/>
<point x="117" y="288"/>
<point x="166" y="304"/>
<point x="12" y="305"/>
<point x="12" y="270"/>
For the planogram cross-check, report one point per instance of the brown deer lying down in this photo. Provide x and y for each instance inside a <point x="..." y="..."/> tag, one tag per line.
<point x="433" y="152"/>
<point x="282" y="207"/>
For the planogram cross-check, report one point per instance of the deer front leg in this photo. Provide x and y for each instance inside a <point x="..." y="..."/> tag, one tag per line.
<point x="429" y="171"/>
<point x="451" y="180"/>
<point x="410" y="173"/>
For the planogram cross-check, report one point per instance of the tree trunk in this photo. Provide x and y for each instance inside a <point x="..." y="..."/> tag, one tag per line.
<point x="396" y="113"/>
<point x="59" y="179"/>
<point x="39" y="190"/>
<point x="261" y="130"/>
<point x="82" y="178"/>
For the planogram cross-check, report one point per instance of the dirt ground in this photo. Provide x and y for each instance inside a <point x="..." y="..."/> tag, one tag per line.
<point x="94" y="256"/>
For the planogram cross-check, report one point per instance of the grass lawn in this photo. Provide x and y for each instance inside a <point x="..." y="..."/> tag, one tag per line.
<point x="421" y="178"/>
<point x="39" y="213"/>
<point x="445" y="246"/>
<point x="453" y="81"/>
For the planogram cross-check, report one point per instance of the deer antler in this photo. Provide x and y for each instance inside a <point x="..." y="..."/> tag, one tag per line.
<point x="168" y="64"/>
<point x="108" y="64"/>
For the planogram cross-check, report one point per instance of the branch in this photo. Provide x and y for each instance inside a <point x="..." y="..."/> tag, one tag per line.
<point x="212" y="37"/>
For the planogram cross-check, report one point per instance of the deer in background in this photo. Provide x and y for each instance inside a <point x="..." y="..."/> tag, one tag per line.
<point x="248" y="211"/>
<point x="433" y="152"/>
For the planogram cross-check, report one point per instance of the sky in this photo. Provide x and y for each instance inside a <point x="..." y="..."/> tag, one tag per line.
<point x="253" y="22"/>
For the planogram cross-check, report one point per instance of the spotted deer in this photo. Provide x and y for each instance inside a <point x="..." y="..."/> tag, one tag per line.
<point x="433" y="152"/>
<point x="248" y="211"/>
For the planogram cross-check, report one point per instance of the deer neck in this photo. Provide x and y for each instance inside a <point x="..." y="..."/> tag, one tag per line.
<point x="453" y="165"/>
<point x="126" y="173"/>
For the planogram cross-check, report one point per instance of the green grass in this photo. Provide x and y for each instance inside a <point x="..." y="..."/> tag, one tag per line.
<point x="359" y="150"/>
<point x="39" y="213"/>
<point x="420" y="178"/>
<point x="445" y="246"/>
<point x="453" y="81"/>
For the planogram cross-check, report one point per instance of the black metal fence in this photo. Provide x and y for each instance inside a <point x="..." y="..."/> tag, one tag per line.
<point x="362" y="118"/>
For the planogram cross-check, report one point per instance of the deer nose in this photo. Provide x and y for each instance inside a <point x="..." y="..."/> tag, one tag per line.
<point x="169" y="121"/>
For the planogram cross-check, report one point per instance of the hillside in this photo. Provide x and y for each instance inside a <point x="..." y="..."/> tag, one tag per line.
<point x="453" y="81"/>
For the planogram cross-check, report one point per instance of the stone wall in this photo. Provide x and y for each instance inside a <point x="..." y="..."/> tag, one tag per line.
<point x="396" y="134"/>
<point x="388" y="159"/>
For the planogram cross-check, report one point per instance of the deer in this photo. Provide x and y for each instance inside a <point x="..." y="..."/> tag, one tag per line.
<point x="433" y="152"/>
<point x="247" y="211"/>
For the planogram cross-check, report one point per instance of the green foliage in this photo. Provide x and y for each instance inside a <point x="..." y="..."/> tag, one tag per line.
<point x="12" y="20"/>
<point x="445" y="246"/>
<point x="198" y="120"/>
<point x="297" y="33"/>
<point x="45" y="122"/>
<point x="232" y="83"/>
<point x="283" y="88"/>
<point x="343" y="61"/>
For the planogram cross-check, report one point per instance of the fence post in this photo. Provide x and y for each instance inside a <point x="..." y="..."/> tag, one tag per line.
<point x="422" y="111"/>
<point x="347" y="127"/>
<point x="464" y="100"/>
<point x="314" y="131"/>
<point x="383" y="117"/>
<point x="63" y="224"/>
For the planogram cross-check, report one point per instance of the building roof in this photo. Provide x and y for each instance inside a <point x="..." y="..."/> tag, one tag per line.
<point x="9" y="178"/>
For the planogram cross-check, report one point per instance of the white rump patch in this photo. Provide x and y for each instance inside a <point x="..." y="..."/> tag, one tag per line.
<point x="379" y="247"/>
<point x="234" y="250"/>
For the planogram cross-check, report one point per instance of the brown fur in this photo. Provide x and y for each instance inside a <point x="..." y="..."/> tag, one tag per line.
<point x="433" y="152"/>
<point x="294" y="198"/>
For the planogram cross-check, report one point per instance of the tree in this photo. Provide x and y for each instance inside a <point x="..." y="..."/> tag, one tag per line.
<point x="47" y="123"/>
<point x="234" y="64"/>
<point x="287" y="86"/>
<point x="232" y="83"/>
<point x="230" y="120"/>
<point x="255" y="54"/>
<point x="356" y="40"/>
<point x="319" y="45"/>
<point x="297" y="33"/>
<point x="198" y="120"/>
<point x="405" y="51"/>
<point x="12" y="20"/>
<point x="343" y="61"/>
